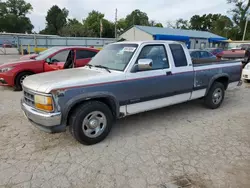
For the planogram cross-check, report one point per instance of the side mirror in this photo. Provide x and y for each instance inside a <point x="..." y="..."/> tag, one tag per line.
<point x="145" y="64"/>
<point x="48" y="60"/>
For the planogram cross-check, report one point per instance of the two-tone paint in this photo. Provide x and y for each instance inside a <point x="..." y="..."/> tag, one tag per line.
<point x="128" y="92"/>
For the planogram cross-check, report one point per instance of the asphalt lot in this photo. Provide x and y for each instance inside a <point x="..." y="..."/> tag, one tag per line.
<point x="206" y="148"/>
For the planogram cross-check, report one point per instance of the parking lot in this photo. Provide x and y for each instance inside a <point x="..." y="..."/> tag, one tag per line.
<point x="186" y="145"/>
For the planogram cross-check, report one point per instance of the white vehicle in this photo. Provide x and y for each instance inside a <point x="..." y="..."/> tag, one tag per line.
<point x="246" y="73"/>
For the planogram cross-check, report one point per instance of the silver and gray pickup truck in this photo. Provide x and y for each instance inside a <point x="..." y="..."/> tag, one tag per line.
<point x="124" y="78"/>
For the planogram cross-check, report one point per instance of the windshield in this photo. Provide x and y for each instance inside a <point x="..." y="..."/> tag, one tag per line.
<point x="45" y="54"/>
<point x="115" y="56"/>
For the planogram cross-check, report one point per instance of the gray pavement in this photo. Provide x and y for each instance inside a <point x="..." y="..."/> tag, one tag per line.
<point x="186" y="145"/>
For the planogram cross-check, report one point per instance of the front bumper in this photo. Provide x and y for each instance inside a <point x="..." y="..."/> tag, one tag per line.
<point x="246" y="74"/>
<point x="48" y="122"/>
<point x="6" y="79"/>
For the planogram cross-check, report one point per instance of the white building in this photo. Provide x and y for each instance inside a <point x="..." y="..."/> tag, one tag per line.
<point x="192" y="38"/>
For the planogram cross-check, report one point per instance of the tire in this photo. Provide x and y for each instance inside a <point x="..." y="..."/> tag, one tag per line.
<point x="215" y="95"/>
<point x="91" y="122"/>
<point x="19" y="79"/>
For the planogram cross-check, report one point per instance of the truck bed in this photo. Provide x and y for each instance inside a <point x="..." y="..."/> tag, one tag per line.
<point x="197" y="63"/>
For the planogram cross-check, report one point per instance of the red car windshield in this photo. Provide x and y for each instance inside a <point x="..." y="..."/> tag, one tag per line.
<point x="45" y="54"/>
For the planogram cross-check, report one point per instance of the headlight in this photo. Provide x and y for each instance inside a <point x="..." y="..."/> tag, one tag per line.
<point x="6" y="69"/>
<point x="43" y="103"/>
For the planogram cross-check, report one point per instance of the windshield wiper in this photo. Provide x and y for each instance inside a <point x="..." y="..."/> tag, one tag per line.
<point x="89" y="65"/>
<point x="101" y="66"/>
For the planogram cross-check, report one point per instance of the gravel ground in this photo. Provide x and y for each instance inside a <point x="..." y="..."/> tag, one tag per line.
<point x="185" y="144"/>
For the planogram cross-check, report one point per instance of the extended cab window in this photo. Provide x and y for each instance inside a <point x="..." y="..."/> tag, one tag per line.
<point x="60" y="56"/>
<point x="83" y="54"/>
<point x="179" y="56"/>
<point x="158" y="55"/>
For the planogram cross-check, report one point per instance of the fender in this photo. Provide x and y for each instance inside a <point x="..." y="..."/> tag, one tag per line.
<point x="88" y="96"/>
<point x="215" y="77"/>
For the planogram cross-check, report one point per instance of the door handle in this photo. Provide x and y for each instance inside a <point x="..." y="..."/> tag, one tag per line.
<point x="168" y="73"/>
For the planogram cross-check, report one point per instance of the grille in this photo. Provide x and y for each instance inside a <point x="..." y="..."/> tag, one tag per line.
<point x="29" y="99"/>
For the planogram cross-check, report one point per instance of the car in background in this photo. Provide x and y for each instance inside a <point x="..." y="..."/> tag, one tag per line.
<point x="240" y="52"/>
<point x="6" y="44"/>
<point x="13" y="74"/>
<point x="215" y="51"/>
<point x="201" y="55"/>
<point x="246" y="73"/>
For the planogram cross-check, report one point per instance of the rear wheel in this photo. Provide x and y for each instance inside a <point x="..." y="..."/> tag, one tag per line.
<point x="19" y="80"/>
<point x="91" y="122"/>
<point x="215" y="96"/>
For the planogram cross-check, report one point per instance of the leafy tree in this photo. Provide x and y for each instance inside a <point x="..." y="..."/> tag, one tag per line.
<point x="93" y="23"/>
<point x="223" y="26"/>
<point x="182" y="24"/>
<point x="121" y="26"/>
<point x="137" y="18"/>
<point x="56" y="19"/>
<point x="13" y="16"/>
<point x="155" y="24"/>
<point x="240" y="13"/>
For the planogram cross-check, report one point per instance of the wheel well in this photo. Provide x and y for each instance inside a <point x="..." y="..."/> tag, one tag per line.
<point x="109" y="102"/>
<point x="224" y="80"/>
<point x="21" y="73"/>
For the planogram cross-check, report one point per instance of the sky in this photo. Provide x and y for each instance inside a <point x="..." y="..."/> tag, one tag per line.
<point x="158" y="10"/>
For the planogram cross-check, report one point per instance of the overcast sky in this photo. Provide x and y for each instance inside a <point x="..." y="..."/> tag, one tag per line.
<point x="158" y="10"/>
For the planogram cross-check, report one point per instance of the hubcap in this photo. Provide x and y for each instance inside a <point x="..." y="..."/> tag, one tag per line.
<point x="22" y="78"/>
<point x="94" y="124"/>
<point x="217" y="96"/>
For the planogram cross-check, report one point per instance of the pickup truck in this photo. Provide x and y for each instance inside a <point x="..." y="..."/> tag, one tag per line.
<point x="124" y="78"/>
<point x="12" y="74"/>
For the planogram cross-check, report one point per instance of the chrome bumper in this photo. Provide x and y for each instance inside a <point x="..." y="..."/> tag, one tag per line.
<point x="46" y="120"/>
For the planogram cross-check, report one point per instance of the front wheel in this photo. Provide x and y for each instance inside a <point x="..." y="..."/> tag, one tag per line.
<point x="215" y="95"/>
<point x="19" y="80"/>
<point x="91" y="122"/>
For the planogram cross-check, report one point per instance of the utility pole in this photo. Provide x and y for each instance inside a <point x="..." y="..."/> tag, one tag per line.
<point x="134" y="25"/>
<point x="116" y="23"/>
<point x="245" y="29"/>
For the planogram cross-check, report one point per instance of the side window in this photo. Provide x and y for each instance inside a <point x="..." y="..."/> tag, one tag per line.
<point x="61" y="56"/>
<point x="179" y="56"/>
<point x="82" y="54"/>
<point x="157" y="53"/>
<point x="195" y="54"/>
<point x="209" y="54"/>
<point x="203" y="54"/>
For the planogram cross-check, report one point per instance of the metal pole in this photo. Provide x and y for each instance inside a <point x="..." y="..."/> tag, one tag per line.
<point x="116" y="23"/>
<point x="244" y="34"/>
<point x="134" y="25"/>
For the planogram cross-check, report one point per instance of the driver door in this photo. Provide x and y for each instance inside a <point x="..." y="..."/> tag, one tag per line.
<point x="57" y="61"/>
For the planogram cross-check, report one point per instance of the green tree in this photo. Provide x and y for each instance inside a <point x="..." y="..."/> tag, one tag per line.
<point x="223" y="26"/>
<point x="13" y="16"/>
<point x="182" y="24"/>
<point x="155" y="24"/>
<point x="137" y="18"/>
<point x="56" y="19"/>
<point x="93" y="23"/>
<point x="240" y="13"/>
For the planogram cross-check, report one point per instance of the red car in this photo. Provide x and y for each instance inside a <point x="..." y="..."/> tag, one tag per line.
<point x="13" y="74"/>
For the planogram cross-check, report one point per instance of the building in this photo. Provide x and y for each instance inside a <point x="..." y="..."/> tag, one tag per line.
<point x="192" y="38"/>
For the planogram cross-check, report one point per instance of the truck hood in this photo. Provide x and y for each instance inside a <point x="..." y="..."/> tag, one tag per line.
<point x="62" y="79"/>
